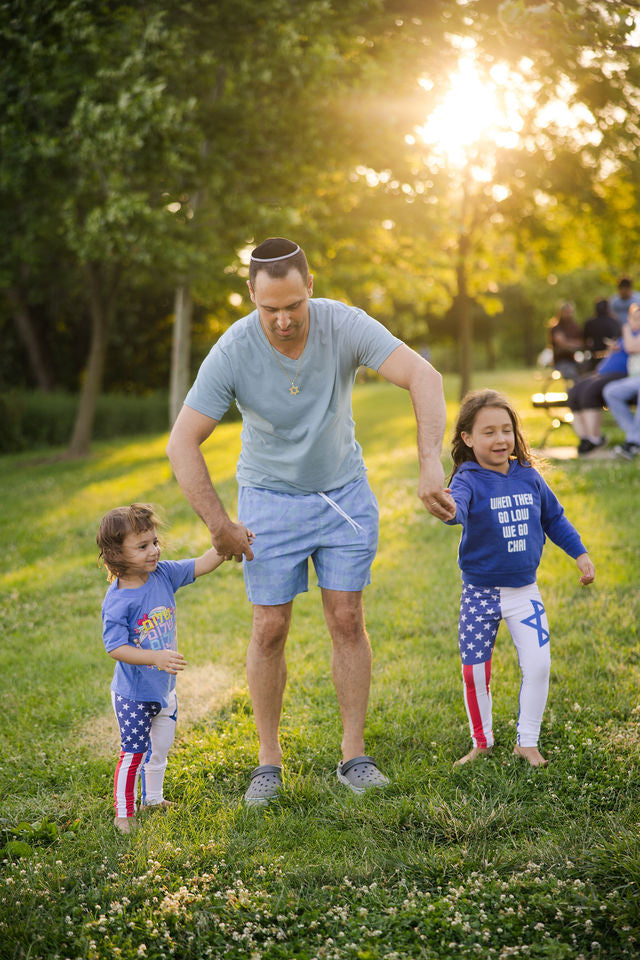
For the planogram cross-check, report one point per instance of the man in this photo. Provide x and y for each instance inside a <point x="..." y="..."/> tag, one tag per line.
<point x="290" y="367"/>
<point x="626" y="296"/>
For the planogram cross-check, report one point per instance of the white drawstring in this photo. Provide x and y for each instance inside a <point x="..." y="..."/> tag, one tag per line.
<point x="352" y="523"/>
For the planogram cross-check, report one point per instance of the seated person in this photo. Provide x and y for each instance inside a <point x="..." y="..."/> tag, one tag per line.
<point x="586" y="396"/>
<point x="565" y="337"/>
<point x="598" y="331"/>
<point x="619" y="395"/>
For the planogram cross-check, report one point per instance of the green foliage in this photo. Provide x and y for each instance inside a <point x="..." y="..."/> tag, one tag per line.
<point x="492" y="860"/>
<point x="34" y="420"/>
<point x="150" y="145"/>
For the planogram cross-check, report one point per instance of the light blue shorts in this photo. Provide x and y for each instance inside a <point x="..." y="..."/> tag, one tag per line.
<point x="340" y="537"/>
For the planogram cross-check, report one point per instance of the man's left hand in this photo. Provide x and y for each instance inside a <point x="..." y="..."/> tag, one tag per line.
<point x="431" y="491"/>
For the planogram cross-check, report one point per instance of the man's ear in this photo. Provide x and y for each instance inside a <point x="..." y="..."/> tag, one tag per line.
<point x="251" y="293"/>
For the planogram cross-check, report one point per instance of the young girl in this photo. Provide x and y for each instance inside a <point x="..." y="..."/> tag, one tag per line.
<point x="139" y="632"/>
<point x="506" y="509"/>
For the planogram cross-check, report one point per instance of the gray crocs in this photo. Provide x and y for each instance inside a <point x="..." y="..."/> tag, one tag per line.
<point x="360" y="773"/>
<point x="266" y="783"/>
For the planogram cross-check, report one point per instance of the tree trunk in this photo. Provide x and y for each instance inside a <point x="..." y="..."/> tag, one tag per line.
<point x="102" y="301"/>
<point x="180" y="374"/>
<point x="465" y="316"/>
<point x="38" y="366"/>
<point x="491" y="352"/>
<point x="529" y="334"/>
<point x="181" y="350"/>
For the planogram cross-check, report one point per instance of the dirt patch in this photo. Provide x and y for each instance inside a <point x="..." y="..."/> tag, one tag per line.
<point x="202" y="691"/>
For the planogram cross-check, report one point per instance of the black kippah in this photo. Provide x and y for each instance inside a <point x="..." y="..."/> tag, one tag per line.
<point x="275" y="248"/>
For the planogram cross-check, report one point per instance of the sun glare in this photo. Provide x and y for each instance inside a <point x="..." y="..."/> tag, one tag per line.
<point x="470" y="111"/>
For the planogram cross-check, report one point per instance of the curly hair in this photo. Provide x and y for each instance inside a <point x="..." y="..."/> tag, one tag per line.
<point x="471" y="406"/>
<point x="115" y="526"/>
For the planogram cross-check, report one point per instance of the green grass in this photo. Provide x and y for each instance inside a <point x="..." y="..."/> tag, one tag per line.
<point x="495" y="860"/>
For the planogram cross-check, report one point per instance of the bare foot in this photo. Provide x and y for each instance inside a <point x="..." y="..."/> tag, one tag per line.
<point x="532" y="754"/>
<point x="163" y="805"/>
<point x="475" y="752"/>
<point x="125" y="824"/>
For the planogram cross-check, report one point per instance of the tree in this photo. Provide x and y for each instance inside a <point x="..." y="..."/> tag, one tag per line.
<point x="568" y="80"/>
<point x="287" y="70"/>
<point x="144" y="149"/>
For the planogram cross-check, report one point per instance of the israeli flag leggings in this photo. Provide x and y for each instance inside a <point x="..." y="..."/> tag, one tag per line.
<point x="522" y="609"/>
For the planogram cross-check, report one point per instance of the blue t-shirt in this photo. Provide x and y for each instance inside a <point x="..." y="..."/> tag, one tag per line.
<point x="303" y="443"/>
<point x="505" y="518"/>
<point x="145" y="617"/>
<point x="619" y="306"/>
<point x="618" y="361"/>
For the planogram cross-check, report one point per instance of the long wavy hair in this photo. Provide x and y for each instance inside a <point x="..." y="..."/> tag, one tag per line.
<point x="471" y="406"/>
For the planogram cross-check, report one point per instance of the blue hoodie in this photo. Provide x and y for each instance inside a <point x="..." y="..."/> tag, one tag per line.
<point x="504" y="520"/>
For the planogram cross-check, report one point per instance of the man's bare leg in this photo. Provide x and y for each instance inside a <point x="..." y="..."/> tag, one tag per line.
<point x="267" y="675"/>
<point x="350" y="664"/>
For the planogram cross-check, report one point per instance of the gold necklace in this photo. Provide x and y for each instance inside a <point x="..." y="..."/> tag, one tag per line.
<point x="294" y="388"/>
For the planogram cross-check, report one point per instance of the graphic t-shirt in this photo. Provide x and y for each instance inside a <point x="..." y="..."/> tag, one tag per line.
<point x="145" y="617"/>
<point x="302" y="443"/>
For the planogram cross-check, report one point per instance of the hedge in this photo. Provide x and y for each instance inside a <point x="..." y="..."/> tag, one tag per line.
<point x="34" y="419"/>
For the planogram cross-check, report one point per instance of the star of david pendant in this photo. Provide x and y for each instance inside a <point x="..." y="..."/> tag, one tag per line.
<point x="293" y="389"/>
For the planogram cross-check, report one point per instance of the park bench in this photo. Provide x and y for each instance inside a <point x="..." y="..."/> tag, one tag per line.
<point x="553" y="399"/>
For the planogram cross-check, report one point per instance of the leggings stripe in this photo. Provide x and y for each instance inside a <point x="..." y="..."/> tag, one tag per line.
<point x="124" y="783"/>
<point x="477" y="698"/>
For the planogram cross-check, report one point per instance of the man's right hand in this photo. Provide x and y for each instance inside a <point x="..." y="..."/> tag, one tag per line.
<point x="233" y="542"/>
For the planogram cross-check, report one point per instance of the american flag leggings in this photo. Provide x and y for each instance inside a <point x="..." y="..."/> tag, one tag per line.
<point x="147" y="732"/>
<point x="522" y="609"/>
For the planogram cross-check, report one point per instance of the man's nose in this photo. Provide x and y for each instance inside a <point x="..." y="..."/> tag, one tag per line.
<point x="284" y="320"/>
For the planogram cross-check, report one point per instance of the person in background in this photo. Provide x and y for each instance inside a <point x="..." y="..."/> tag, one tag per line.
<point x="565" y="337"/>
<point x="619" y="304"/>
<point x="599" y="330"/>
<point x="585" y="397"/>
<point x="620" y="395"/>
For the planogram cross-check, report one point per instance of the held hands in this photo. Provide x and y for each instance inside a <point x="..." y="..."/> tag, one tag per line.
<point x="233" y="541"/>
<point x="169" y="660"/>
<point x="432" y="492"/>
<point x="211" y="559"/>
<point x="586" y="568"/>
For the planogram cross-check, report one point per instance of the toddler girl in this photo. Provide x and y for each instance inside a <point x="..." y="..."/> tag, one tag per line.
<point x="139" y="632"/>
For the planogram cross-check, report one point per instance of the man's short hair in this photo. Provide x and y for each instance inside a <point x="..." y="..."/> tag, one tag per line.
<point x="277" y="256"/>
<point x="625" y="282"/>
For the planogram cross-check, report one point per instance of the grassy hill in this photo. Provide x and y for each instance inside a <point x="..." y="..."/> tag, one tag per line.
<point x="493" y="860"/>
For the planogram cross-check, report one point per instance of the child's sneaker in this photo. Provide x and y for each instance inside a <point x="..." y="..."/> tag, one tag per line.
<point x="626" y="450"/>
